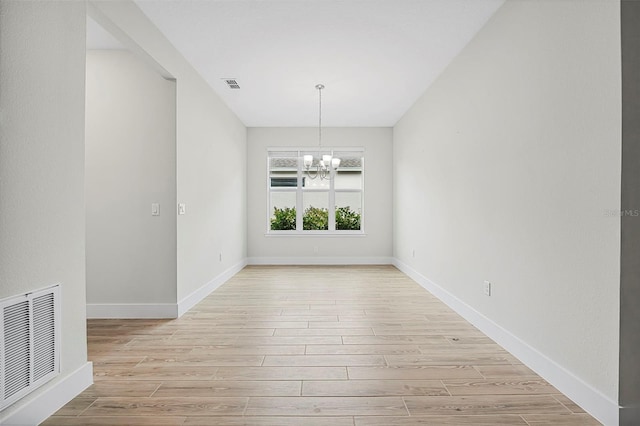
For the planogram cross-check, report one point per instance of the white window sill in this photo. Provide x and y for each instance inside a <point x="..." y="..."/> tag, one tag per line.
<point x="344" y="234"/>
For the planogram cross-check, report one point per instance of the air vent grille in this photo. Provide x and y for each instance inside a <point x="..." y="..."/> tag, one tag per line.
<point x="232" y="83"/>
<point x="29" y="328"/>
<point x="43" y="336"/>
<point x="16" y="348"/>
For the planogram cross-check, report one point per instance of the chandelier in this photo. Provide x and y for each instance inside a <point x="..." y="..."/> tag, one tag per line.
<point x="325" y="163"/>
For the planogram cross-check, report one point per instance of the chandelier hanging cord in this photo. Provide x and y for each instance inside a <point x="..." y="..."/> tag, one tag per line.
<point x="319" y="87"/>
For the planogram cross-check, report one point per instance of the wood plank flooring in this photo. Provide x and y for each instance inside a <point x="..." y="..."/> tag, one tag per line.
<point x="311" y="346"/>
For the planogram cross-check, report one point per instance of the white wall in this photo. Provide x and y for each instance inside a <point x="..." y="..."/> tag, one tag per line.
<point x="210" y="163"/>
<point x="42" y="56"/>
<point x="503" y="171"/>
<point x="376" y="246"/>
<point x="130" y="163"/>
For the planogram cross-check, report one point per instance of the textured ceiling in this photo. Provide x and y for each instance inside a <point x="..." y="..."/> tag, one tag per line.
<point x="375" y="57"/>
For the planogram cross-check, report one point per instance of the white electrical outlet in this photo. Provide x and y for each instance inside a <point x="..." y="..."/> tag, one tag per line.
<point x="487" y="288"/>
<point x="182" y="208"/>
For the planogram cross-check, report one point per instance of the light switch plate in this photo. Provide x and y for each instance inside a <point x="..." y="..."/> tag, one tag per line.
<point x="182" y="208"/>
<point x="155" y="209"/>
<point x="487" y="288"/>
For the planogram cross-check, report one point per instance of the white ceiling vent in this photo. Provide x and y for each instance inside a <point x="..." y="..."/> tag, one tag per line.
<point x="29" y="342"/>
<point x="232" y="83"/>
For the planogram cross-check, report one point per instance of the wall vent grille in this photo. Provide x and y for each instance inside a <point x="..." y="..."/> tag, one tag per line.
<point x="29" y="336"/>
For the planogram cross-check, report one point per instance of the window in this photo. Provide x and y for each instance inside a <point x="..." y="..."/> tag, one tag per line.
<point x="285" y="181"/>
<point x="303" y="202"/>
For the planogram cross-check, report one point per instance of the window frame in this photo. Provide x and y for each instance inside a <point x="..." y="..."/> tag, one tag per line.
<point x="300" y="190"/>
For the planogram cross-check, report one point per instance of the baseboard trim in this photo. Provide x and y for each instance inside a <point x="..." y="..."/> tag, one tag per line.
<point x="51" y="399"/>
<point x="590" y="399"/>
<point x="320" y="260"/>
<point x="131" y="310"/>
<point x="160" y="310"/>
<point x="194" y="298"/>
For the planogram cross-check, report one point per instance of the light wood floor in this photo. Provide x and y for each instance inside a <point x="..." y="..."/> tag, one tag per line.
<point x="311" y="346"/>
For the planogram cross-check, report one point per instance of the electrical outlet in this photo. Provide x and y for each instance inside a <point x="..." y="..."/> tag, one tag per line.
<point x="182" y="208"/>
<point x="487" y="288"/>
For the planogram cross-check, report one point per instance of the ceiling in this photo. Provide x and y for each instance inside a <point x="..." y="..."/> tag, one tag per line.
<point x="375" y="57"/>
